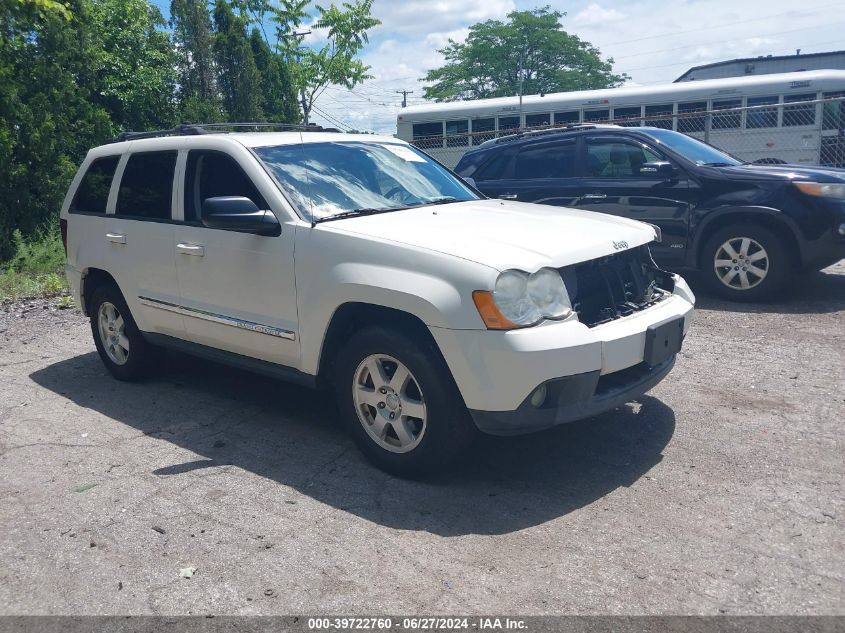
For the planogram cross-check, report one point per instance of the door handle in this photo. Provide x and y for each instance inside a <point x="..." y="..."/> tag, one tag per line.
<point x="595" y="196"/>
<point x="508" y="196"/>
<point x="116" y="238"/>
<point x="198" y="250"/>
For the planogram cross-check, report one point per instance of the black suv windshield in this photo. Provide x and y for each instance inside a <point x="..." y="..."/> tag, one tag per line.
<point x="692" y="149"/>
<point x="345" y="178"/>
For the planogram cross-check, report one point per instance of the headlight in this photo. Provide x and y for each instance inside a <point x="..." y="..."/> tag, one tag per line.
<point x="520" y="299"/>
<point x="822" y="189"/>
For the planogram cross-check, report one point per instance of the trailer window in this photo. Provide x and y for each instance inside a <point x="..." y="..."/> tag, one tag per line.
<point x="456" y="133"/>
<point x="427" y="130"/>
<point x="763" y="117"/>
<point x="688" y="124"/>
<point x="536" y="120"/>
<point x="571" y="116"/>
<point x="833" y="117"/>
<point x="593" y="116"/>
<point x="796" y="115"/>
<point x="508" y="122"/>
<point x="627" y="117"/>
<point x="663" y="112"/>
<point x="482" y="130"/>
<point x="727" y="120"/>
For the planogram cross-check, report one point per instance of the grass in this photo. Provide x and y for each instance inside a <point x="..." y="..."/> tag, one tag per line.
<point x="36" y="270"/>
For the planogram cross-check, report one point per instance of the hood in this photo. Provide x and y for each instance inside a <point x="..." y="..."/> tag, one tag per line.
<point x="785" y="173"/>
<point x="503" y="234"/>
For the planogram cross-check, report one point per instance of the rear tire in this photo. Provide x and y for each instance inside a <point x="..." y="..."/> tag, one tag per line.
<point x="743" y="262"/>
<point x="119" y="342"/>
<point x="400" y="404"/>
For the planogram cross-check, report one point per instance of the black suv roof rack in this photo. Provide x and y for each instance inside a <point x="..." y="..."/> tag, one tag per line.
<point x="191" y="129"/>
<point x="549" y="130"/>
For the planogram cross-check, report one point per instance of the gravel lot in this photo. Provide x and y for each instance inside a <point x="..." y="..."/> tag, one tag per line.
<point x="719" y="492"/>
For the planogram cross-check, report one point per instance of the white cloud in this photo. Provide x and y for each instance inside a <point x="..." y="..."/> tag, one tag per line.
<point x="420" y="17"/>
<point x="595" y="14"/>
<point x="652" y="40"/>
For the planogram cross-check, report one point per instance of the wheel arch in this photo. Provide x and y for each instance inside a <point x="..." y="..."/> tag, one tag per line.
<point x="353" y="316"/>
<point x="93" y="278"/>
<point x="771" y="219"/>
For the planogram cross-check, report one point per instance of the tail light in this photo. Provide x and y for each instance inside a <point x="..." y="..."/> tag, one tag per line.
<point x="63" y="225"/>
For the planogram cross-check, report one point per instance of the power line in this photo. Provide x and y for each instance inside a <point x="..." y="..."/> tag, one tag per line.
<point x="719" y="26"/>
<point x="667" y="50"/>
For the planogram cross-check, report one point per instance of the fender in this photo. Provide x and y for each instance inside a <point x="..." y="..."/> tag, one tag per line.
<point x="432" y="299"/>
<point x="700" y="228"/>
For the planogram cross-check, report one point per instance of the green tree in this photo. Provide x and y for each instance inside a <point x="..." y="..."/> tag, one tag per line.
<point x="199" y="100"/>
<point x="277" y="95"/>
<point x="530" y="48"/>
<point x="313" y="69"/>
<point x="48" y="119"/>
<point x="136" y="64"/>
<point x="237" y="73"/>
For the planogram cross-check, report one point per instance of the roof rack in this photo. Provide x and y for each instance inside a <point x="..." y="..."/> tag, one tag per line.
<point x="191" y="129"/>
<point x="549" y="130"/>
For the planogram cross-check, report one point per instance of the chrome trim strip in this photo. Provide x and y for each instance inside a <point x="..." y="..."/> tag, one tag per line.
<point x="218" y="318"/>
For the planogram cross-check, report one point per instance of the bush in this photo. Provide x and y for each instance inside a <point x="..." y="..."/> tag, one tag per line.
<point x="43" y="254"/>
<point x="35" y="270"/>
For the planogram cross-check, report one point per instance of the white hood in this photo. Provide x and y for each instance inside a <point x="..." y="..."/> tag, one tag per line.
<point x="503" y="234"/>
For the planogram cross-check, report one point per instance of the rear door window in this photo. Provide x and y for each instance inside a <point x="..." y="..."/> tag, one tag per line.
<point x="553" y="160"/>
<point x="93" y="192"/>
<point x="213" y="174"/>
<point x="147" y="186"/>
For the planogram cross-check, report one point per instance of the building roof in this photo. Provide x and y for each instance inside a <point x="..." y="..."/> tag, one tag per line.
<point x="767" y="58"/>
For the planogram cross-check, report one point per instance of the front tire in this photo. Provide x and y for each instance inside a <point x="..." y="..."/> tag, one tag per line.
<point x="400" y="404"/>
<point x="743" y="262"/>
<point x="119" y="342"/>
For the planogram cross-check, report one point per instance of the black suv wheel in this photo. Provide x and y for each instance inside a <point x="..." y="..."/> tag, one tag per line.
<point x="743" y="262"/>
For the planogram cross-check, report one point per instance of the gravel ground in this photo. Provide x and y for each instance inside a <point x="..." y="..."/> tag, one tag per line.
<point x="719" y="492"/>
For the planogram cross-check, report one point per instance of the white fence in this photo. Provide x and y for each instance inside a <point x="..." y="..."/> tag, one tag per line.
<point x="808" y="132"/>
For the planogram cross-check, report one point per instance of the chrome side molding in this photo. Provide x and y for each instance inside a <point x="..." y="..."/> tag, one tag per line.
<point x="218" y="318"/>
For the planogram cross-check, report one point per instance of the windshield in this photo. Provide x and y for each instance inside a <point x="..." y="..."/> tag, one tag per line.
<point x="339" y="179"/>
<point x="692" y="149"/>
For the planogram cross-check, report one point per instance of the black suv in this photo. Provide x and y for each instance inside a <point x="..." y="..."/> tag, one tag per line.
<point x="746" y="227"/>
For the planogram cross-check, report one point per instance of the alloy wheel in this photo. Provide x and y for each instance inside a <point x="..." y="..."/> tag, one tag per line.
<point x="741" y="263"/>
<point x="389" y="403"/>
<point x="113" y="333"/>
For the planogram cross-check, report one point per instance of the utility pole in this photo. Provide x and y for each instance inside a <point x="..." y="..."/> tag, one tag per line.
<point x="404" y="94"/>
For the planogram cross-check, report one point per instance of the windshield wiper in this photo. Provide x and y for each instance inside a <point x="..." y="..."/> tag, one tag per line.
<point x="440" y="200"/>
<point x="715" y="164"/>
<point x="355" y="213"/>
<point x="373" y="211"/>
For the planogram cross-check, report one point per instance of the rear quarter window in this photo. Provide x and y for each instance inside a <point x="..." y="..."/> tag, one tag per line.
<point x="92" y="195"/>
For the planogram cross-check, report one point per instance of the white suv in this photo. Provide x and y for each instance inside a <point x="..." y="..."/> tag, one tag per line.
<point x="359" y="263"/>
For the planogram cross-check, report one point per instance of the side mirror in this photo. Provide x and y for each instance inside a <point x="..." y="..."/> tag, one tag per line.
<point x="471" y="182"/>
<point x="238" y="214"/>
<point x="660" y="169"/>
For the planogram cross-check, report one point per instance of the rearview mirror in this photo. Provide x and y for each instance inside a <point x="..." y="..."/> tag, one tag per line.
<point x="662" y="169"/>
<point x="236" y="213"/>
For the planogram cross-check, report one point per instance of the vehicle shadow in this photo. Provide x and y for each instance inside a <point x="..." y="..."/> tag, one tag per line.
<point x="289" y="434"/>
<point x="815" y="293"/>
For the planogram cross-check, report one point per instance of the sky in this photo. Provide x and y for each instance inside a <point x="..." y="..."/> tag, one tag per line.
<point x="653" y="41"/>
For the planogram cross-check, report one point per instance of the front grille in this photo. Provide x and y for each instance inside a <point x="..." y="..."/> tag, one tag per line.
<point x="615" y="286"/>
